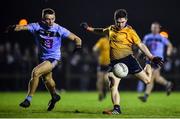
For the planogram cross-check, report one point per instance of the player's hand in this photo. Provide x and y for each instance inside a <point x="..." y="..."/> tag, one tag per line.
<point x="158" y="60"/>
<point x="10" y="28"/>
<point x="77" y="49"/>
<point x="84" y="25"/>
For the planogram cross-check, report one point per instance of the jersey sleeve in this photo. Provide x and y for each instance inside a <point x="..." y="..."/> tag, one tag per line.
<point x="165" y="41"/>
<point x="63" y="32"/>
<point x="32" y="27"/>
<point x="106" y="30"/>
<point x="135" y="38"/>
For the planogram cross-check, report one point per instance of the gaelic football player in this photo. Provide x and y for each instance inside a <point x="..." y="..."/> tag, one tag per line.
<point x="156" y="44"/>
<point x="48" y="36"/>
<point x="101" y="49"/>
<point x="121" y="39"/>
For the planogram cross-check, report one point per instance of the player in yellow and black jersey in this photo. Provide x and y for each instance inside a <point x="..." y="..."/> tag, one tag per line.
<point x="101" y="49"/>
<point x="121" y="39"/>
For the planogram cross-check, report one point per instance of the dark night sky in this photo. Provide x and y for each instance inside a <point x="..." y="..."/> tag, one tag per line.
<point x="99" y="13"/>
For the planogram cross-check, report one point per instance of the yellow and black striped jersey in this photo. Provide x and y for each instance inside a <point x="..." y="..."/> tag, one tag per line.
<point x="121" y="41"/>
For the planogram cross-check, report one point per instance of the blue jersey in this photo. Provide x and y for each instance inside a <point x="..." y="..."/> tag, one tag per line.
<point x="156" y="44"/>
<point x="48" y="39"/>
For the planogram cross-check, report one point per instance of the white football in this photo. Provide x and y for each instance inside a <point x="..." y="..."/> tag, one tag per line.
<point x="120" y="70"/>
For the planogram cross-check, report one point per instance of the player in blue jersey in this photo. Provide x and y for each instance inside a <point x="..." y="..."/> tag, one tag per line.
<point x="48" y="36"/>
<point x="156" y="44"/>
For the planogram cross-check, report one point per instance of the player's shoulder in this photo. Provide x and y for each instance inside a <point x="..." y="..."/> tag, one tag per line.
<point x="112" y="27"/>
<point x="148" y="35"/>
<point x="163" y="38"/>
<point x="36" y="24"/>
<point x="130" y="29"/>
<point x="160" y="36"/>
<point x="59" y="27"/>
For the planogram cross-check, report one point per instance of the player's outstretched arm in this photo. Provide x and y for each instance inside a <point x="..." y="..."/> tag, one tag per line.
<point x="20" y="28"/>
<point x="85" y="26"/>
<point x="77" y="41"/>
<point x="13" y="28"/>
<point x="145" y="50"/>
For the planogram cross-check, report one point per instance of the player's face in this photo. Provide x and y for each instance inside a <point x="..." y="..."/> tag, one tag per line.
<point x="155" y="28"/>
<point x="121" y="22"/>
<point x="49" y="19"/>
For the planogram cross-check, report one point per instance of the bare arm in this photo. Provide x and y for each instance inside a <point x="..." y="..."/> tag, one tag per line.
<point x="94" y="30"/>
<point x="169" y="49"/>
<point x="145" y="50"/>
<point x="75" y="38"/>
<point x="20" y="28"/>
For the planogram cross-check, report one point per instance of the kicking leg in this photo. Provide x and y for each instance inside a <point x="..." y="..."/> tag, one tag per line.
<point x="145" y="75"/>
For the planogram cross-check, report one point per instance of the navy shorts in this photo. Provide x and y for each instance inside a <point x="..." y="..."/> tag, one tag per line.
<point x="54" y="62"/>
<point x="103" y="68"/>
<point x="131" y="62"/>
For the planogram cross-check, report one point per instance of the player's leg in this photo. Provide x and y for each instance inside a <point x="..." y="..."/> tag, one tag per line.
<point x="114" y="84"/>
<point x="50" y="85"/>
<point x="135" y="69"/>
<point x="140" y="87"/>
<point x="38" y="71"/>
<point x="161" y="80"/>
<point x="145" y="75"/>
<point x="101" y="84"/>
<point x="149" y="87"/>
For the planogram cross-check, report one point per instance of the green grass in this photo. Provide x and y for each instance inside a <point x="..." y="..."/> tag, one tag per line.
<point x="158" y="105"/>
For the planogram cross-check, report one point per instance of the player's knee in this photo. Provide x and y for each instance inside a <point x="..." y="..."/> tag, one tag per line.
<point x="147" y="80"/>
<point x="46" y="79"/>
<point x="35" y="73"/>
<point x="114" y="81"/>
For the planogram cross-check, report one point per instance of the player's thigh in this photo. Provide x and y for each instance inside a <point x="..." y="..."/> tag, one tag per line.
<point x="43" y="68"/>
<point x="100" y="74"/>
<point x="157" y="73"/>
<point x="142" y="75"/>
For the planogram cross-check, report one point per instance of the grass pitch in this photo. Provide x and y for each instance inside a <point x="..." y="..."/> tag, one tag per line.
<point x="86" y="105"/>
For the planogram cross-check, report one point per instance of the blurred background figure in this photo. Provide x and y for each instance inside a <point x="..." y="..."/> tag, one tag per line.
<point x="102" y="51"/>
<point x="157" y="45"/>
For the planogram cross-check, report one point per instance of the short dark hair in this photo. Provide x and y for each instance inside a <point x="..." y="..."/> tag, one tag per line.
<point x="47" y="11"/>
<point x="120" y="13"/>
<point x="156" y="23"/>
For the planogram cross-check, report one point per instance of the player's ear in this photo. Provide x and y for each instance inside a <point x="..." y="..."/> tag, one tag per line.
<point x="54" y="18"/>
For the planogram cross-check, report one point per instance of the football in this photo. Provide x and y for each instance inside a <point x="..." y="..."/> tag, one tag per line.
<point x="120" y="70"/>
